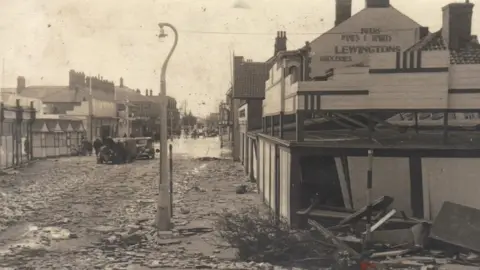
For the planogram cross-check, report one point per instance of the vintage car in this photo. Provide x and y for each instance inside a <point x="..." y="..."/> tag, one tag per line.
<point x="117" y="151"/>
<point x="145" y="148"/>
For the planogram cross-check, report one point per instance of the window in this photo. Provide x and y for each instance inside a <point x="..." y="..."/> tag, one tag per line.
<point x="62" y="140"/>
<point x="293" y="72"/>
<point x="142" y="141"/>
<point x="242" y="113"/>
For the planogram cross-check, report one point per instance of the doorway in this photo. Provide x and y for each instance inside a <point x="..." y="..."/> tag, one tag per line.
<point x="105" y="131"/>
<point x="320" y="178"/>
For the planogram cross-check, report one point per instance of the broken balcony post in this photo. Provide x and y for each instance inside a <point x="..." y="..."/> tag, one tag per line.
<point x="369" y="198"/>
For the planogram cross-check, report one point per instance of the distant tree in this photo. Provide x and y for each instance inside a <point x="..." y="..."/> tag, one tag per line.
<point x="189" y="120"/>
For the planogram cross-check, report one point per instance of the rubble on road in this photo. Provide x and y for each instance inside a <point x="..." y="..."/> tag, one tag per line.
<point x="207" y="159"/>
<point x="398" y="242"/>
<point x="111" y="210"/>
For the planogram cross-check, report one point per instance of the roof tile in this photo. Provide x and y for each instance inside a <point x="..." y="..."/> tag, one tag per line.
<point x="249" y="80"/>
<point x="435" y="42"/>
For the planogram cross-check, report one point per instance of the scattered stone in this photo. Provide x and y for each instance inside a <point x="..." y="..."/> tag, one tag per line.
<point x="141" y="220"/>
<point x="184" y="211"/>
<point x="203" y="266"/>
<point x="191" y="228"/>
<point x="241" y="189"/>
<point x="207" y="159"/>
<point x="132" y="239"/>
<point x="165" y="234"/>
<point x="133" y="228"/>
<point x="56" y="233"/>
<point x="104" y="229"/>
<point x="168" y="242"/>
<point x="198" y="189"/>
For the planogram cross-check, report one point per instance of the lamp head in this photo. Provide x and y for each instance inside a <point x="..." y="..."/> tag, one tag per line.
<point x="162" y="32"/>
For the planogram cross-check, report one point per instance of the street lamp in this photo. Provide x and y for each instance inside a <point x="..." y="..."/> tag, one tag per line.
<point x="163" y="202"/>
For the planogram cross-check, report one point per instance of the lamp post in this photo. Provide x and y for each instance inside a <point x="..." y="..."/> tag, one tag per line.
<point x="163" y="201"/>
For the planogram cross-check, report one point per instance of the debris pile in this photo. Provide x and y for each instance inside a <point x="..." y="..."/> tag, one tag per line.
<point x="394" y="241"/>
<point x="258" y="236"/>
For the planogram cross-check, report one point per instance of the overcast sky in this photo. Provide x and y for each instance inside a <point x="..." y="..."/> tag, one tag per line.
<point x="42" y="40"/>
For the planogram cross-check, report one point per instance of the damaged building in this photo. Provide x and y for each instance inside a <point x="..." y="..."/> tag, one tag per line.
<point x="327" y="104"/>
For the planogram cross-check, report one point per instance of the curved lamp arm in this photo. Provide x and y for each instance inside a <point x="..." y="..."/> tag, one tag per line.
<point x="165" y="63"/>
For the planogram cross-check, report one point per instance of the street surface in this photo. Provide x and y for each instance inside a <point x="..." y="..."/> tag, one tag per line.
<point x="71" y="213"/>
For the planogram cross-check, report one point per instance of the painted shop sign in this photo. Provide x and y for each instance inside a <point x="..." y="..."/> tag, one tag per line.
<point x="366" y="41"/>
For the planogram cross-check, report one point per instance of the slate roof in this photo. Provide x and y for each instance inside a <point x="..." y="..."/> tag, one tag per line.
<point x="249" y="80"/>
<point x="37" y="125"/>
<point x="64" y="124"/>
<point x="51" y="124"/>
<point x="435" y="42"/>
<point x="59" y="94"/>
<point x="77" y="125"/>
<point x="124" y="93"/>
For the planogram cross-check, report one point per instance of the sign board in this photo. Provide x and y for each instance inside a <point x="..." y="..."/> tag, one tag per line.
<point x="371" y="31"/>
<point x="368" y="40"/>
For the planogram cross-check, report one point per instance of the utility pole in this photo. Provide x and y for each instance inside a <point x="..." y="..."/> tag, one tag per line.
<point x="163" y="202"/>
<point x="127" y="112"/>
<point x="90" y="111"/>
<point x="171" y="125"/>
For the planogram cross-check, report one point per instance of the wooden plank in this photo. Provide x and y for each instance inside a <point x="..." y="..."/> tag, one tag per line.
<point x="380" y="204"/>
<point x="331" y="237"/>
<point x="344" y="184"/>
<point x="383" y="220"/>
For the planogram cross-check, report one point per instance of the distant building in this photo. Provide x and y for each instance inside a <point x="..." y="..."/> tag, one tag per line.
<point x="173" y="115"/>
<point x="98" y="110"/>
<point x="137" y="113"/>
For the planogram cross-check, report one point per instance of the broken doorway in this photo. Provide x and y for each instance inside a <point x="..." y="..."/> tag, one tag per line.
<point x="320" y="178"/>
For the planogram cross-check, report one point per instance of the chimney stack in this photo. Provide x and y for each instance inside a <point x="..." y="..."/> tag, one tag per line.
<point x="151" y="92"/>
<point x="20" y="84"/>
<point x="457" y="25"/>
<point x="138" y="91"/>
<point x="423" y="32"/>
<point x="146" y="92"/>
<point x="121" y="82"/>
<point x="280" y="42"/>
<point x="377" y="3"/>
<point x="343" y="11"/>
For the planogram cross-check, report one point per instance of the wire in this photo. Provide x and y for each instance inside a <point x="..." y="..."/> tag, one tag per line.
<point x="288" y="33"/>
<point x="239" y="33"/>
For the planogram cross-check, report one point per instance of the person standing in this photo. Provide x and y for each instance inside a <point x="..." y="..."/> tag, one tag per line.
<point x="26" y="146"/>
<point x="97" y="144"/>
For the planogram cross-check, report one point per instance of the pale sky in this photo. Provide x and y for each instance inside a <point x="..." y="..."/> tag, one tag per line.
<point x="42" y="39"/>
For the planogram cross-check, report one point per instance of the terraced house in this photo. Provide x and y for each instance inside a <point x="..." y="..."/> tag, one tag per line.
<point x="90" y="99"/>
<point x="345" y="92"/>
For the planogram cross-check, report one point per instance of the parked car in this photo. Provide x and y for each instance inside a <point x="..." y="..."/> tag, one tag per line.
<point x="145" y="148"/>
<point x="117" y="151"/>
